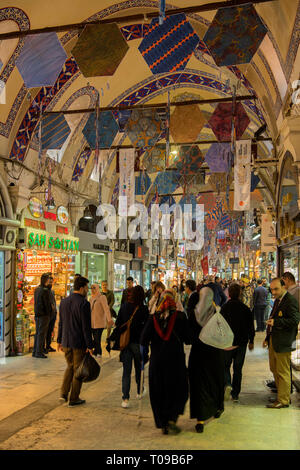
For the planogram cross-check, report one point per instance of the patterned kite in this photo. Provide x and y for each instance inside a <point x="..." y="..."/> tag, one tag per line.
<point x="55" y="131"/>
<point x="168" y="48"/>
<point x="221" y="121"/>
<point x="144" y="128"/>
<point x="234" y="35"/>
<point x="107" y="130"/>
<point x="218" y="158"/>
<point x="186" y="123"/>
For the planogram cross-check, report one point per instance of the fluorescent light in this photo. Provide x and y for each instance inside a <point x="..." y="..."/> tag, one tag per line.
<point x="256" y="237"/>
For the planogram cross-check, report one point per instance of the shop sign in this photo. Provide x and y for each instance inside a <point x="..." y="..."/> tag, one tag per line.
<point x="181" y="263"/>
<point x="36" y="207"/>
<point x="234" y="260"/>
<point x="35" y="224"/>
<point x="47" y="242"/>
<point x="100" y="247"/>
<point x="161" y="263"/>
<point x="268" y="238"/>
<point x="50" y="216"/>
<point x="62" y="230"/>
<point x="63" y="215"/>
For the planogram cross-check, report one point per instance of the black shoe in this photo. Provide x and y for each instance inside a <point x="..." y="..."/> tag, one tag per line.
<point x="274" y="400"/>
<point x="165" y="430"/>
<point x="51" y="349"/>
<point x="173" y="428"/>
<point x="77" y="402"/>
<point x="33" y="354"/>
<point x="270" y="383"/>
<point x="218" y="413"/>
<point x="64" y="398"/>
<point x="41" y="356"/>
<point x="199" y="427"/>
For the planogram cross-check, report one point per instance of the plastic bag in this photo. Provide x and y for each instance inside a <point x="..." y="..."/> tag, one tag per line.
<point x="88" y="370"/>
<point x="217" y="332"/>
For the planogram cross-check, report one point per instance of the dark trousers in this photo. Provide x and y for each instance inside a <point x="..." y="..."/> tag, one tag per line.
<point x="131" y="353"/>
<point x="97" y="333"/>
<point x="41" y="327"/>
<point x="50" y="331"/>
<point x="237" y="356"/>
<point x="259" y="313"/>
<point x="74" y="358"/>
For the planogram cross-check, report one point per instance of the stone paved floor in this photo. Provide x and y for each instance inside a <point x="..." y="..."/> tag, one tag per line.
<point x="32" y="418"/>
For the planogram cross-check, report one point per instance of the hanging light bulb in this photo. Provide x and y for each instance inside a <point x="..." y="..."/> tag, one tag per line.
<point x="87" y="214"/>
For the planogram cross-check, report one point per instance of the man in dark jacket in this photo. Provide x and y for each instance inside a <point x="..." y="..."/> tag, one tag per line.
<point x="282" y="329"/>
<point x="193" y="299"/>
<point x="127" y="293"/>
<point x="240" y="320"/>
<point x="74" y="337"/>
<point x="52" y="316"/>
<point x="42" y="313"/>
<point x="219" y="296"/>
<point x="260" y="301"/>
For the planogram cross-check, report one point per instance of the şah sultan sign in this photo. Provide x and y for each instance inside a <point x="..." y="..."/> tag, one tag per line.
<point x="51" y="243"/>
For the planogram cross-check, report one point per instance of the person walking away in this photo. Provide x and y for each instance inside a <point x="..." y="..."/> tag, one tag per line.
<point x="53" y="316"/>
<point x="206" y="364"/>
<point x="127" y="293"/>
<point x="240" y="319"/>
<point x="75" y="277"/>
<point x="192" y="296"/>
<point x="42" y="314"/>
<point x="139" y="314"/>
<point x="110" y="300"/>
<point x="150" y="291"/>
<point x="100" y="317"/>
<point x="260" y="302"/>
<point x="159" y="288"/>
<point x="167" y="331"/>
<point x="282" y="329"/>
<point x="74" y="338"/>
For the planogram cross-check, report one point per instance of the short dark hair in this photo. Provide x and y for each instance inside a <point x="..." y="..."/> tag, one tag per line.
<point x="289" y="276"/>
<point x="138" y="295"/>
<point x="216" y="278"/>
<point x="77" y="275"/>
<point x="259" y="281"/>
<point x="44" y="278"/>
<point x="234" y="291"/>
<point x="80" y="282"/>
<point x="104" y="281"/>
<point x="191" y="284"/>
<point x="129" y="278"/>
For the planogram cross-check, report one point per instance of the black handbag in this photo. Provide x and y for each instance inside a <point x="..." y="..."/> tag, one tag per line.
<point x="88" y="370"/>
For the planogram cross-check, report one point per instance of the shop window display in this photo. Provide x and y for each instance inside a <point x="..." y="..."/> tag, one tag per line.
<point x="119" y="283"/>
<point x="31" y="265"/>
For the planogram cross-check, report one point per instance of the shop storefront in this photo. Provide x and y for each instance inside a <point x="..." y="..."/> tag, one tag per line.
<point x="136" y="272"/>
<point x="2" y="274"/>
<point x="94" y="257"/>
<point x="49" y="247"/>
<point x="121" y="272"/>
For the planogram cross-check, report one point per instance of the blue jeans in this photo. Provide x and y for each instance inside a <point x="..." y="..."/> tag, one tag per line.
<point x="129" y="354"/>
<point x="237" y="356"/>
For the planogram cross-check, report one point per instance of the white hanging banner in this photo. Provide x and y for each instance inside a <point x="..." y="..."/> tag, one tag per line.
<point x="268" y="235"/>
<point x="127" y="180"/>
<point x="242" y="175"/>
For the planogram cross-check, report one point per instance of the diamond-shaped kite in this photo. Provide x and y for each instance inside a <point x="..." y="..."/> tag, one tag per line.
<point x="186" y="123"/>
<point x="55" y="131"/>
<point x="144" y="127"/>
<point x="218" y="157"/>
<point x="100" y="50"/>
<point x="107" y="130"/>
<point x="169" y="47"/>
<point x="221" y="121"/>
<point x="189" y="159"/>
<point x="166" y="182"/>
<point x="41" y="60"/>
<point x="154" y="160"/>
<point x="234" y="35"/>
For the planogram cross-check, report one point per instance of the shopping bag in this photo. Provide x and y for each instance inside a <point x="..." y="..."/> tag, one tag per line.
<point x="88" y="370"/>
<point x="217" y="332"/>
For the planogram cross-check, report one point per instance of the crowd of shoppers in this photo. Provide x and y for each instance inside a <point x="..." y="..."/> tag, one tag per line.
<point x="165" y="320"/>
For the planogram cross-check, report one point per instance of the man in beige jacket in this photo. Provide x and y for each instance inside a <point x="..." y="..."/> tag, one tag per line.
<point x="100" y="316"/>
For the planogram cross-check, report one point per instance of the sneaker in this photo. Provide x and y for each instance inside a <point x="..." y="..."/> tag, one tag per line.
<point x="51" y="349"/>
<point x="227" y="392"/>
<point x="63" y="398"/>
<point x="77" y="402"/>
<point x="125" y="404"/>
<point x="140" y="395"/>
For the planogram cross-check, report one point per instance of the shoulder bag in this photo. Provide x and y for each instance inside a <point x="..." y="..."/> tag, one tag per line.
<point x="125" y="335"/>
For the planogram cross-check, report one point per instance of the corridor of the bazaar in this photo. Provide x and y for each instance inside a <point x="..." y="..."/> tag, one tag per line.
<point x="149" y="225"/>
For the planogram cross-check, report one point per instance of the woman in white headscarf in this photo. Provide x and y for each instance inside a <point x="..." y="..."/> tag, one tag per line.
<point x="206" y="366"/>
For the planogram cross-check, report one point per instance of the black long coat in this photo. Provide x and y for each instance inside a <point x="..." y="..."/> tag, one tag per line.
<point x="206" y="373"/>
<point x="168" y="377"/>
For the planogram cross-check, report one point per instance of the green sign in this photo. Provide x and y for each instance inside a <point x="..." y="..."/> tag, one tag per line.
<point x="52" y="243"/>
